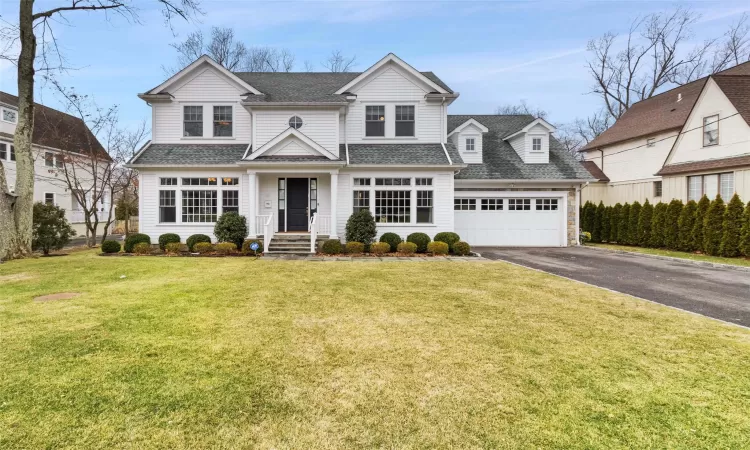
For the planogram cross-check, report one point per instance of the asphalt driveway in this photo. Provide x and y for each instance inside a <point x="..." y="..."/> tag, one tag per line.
<point x="714" y="292"/>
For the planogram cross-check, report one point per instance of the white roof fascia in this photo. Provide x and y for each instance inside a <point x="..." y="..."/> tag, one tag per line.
<point x="390" y="57"/>
<point x="203" y="59"/>
<point x="296" y="133"/>
<point x="459" y="128"/>
<point x="551" y="128"/>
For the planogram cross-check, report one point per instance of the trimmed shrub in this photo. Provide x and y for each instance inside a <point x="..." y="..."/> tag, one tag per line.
<point x="111" y="247"/>
<point x="437" y="248"/>
<point x="49" y="230"/>
<point x="196" y="239"/>
<point x="420" y="239"/>
<point x="644" y="224"/>
<point x="657" y="226"/>
<point x="461" y="248"/>
<point x="448" y="237"/>
<point x="622" y="225"/>
<point x="392" y="239"/>
<point x="614" y="222"/>
<point x="355" y="247"/>
<point x="135" y="238"/>
<point x="203" y="247"/>
<point x="700" y="216"/>
<point x="231" y="227"/>
<point x="585" y="237"/>
<point x="361" y="227"/>
<point x="331" y="247"/>
<point x="685" y="225"/>
<point x="633" y="217"/>
<point x="407" y="248"/>
<point x="248" y="242"/>
<point x="745" y="232"/>
<point x="167" y="238"/>
<point x="226" y="248"/>
<point x="142" y="248"/>
<point x="732" y="226"/>
<point x="596" y="231"/>
<point x="671" y="227"/>
<point x="174" y="248"/>
<point x="712" y="227"/>
<point x="380" y="248"/>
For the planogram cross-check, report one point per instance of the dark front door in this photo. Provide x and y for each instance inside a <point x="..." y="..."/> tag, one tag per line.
<point x="296" y="204"/>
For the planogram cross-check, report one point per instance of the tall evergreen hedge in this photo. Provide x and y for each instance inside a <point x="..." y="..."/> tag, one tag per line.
<point x="671" y="227"/>
<point x="712" y="227"/>
<point x="589" y="210"/>
<point x="731" y="228"/>
<point x="614" y="222"/>
<point x="622" y="225"/>
<point x="605" y="224"/>
<point x="644" y="223"/>
<point x="745" y="232"/>
<point x="700" y="216"/>
<point x="657" y="226"/>
<point x="596" y="233"/>
<point x="685" y="226"/>
<point x="633" y="217"/>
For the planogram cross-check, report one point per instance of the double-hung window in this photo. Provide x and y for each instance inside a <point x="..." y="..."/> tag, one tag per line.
<point x="12" y="153"/>
<point x="230" y="201"/>
<point x="405" y="120"/>
<point x="193" y="121"/>
<point x="167" y="207"/>
<point x="360" y="197"/>
<point x="375" y="121"/>
<point x="470" y="145"/>
<point x="222" y="121"/>
<point x="424" y="200"/>
<point x="49" y="159"/>
<point x="711" y="130"/>
<point x="49" y="198"/>
<point x="3" y="150"/>
<point x="536" y="144"/>
<point x="10" y="115"/>
<point x="657" y="188"/>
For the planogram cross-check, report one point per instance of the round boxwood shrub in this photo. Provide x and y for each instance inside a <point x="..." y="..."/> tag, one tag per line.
<point x="448" y="237"/>
<point x="355" y="247"/>
<point x="361" y="227"/>
<point x="173" y="248"/>
<point x="407" y="248"/>
<point x="437" y="248"/>
<point x="142" y="248"/>
<point x="195" y="239"/>
<point x="167" y="238"/>
<point x="136" y="238"/>
<point x="203" y="247"/>
<point x="331" y="247"/>
<point x="246" y="246"/>
<point x="380" y="248"/>
<point x="461" y="248"/>
<point x="420" y="239"/>
<point x="392" y="239"/>
<point x="111" y="246"/>
<point x="231" y="227"/>
<point x="226" y="248"/>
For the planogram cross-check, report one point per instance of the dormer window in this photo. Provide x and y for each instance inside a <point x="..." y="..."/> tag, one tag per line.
<point x="375" y="121"/>
<point x="470" y="145"/>
<point x="10" y="115"/>
<point x="536" y="144"/>
<point x="405" y="120"/>
<point x="193" y="121"/>
<point x="295" y="122"/>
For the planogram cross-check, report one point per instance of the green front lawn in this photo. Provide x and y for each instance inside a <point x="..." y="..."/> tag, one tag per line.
<point x="236" y="352"/>
<point x="675" y="254"/>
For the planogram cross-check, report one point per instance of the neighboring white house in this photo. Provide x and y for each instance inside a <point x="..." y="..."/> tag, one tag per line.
<point x="299" y="152"/>
<point x="56" y="136"/>
<point x="681" y="144"/>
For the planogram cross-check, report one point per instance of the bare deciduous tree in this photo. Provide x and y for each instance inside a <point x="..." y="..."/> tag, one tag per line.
<point x="521" y="107"/>
<point x="337" y="62"/>
<point x="308" y="66"/>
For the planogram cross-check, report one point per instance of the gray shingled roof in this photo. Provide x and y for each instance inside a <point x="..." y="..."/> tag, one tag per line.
<point x="295" y="158"/>
<point x="400" y="154"/>
<point x="190" y="154"/>
<point x="305" y="87"/>
<point x="500" y="161"/>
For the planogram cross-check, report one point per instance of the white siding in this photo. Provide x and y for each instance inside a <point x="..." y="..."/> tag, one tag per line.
<point x="537" y="157"/>
<point x="519" y="145"/>
<point x="206" y="88"/>
<point x="633" y="160"/>
<point x="320" y="125"/>
<point x="291" y="147"/>
<point x="459" y="140"/>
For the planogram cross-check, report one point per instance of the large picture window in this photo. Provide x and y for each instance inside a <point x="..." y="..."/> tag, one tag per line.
<point x="199" y="206"/>
<point x="424" y="206"/>
<point x="711" y="130"/>
<point x="193" y="121"/>
<point x="222" y="121"/>
<point x="167" y="207"/>
<point x="230" y="201"/>
<point x="711" y="185"/>
<point x="405" y="120"/>
<point x="393" y="206"/>
<point x="375" y="121"/>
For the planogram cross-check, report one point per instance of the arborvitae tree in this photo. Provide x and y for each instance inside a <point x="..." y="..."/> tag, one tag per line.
<point x="700" y="217"/>
<point x="614" y="222"/>
<point x="713" y="227"/>
<point x="635" y="214"/>
<point x="685" y="227"/>
<point x="671" y="228"/>
<point x="587" y="219"/>
<point x="622" y="225"/>
<point x="657" y="226"/>
<point x="730" y="239"/>
<point x="644" y="224"/>
<point x="745" y="232"/>
<point x="596" y="234"/>
<point x="605" y="223"/>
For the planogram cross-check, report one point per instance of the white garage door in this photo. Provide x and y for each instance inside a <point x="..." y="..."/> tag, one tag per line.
<point x="510" y="221"/>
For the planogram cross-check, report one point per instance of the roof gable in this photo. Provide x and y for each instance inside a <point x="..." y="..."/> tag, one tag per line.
<point x="190" y="72"/>
<point x="301" y="146"/>
<point x="737" y="90"/>
<point x="471" y="122"/>
<point x="391" y="58"/>
<point x="537" y="123"/>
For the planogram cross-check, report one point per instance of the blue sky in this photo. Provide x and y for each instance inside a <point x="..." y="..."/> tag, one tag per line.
<point x="491" y="52"/>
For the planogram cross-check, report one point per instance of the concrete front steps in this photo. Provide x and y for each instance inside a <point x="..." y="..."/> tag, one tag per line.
<point x="292" y="244"/>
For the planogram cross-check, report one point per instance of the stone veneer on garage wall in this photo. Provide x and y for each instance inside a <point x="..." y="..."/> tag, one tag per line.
<point x="572" y="210"/>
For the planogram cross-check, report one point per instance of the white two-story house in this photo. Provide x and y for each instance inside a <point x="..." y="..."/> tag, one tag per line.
<point x="57" y="138"/>
<point x="300" y="152"/>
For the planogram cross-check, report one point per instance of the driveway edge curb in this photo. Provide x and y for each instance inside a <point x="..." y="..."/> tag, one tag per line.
<point x="670" y="258"/>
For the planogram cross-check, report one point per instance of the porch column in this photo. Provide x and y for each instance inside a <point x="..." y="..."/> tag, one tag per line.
<point x="334" y="202"/>
<point x="252" y="199"/>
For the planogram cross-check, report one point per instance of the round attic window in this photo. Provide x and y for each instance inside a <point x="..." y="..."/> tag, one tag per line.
<point x="295" y="122"/>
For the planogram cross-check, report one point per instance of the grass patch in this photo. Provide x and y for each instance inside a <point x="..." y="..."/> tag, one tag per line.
<point x="234" y="352"/>
<point x="675" y="254"/>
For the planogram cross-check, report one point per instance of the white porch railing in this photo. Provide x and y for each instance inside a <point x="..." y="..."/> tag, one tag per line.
<point x="267" y="233"/>
<point x="324" y="224"/>
<point x="319" y="224"/>
<point x="260" y="223"/>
